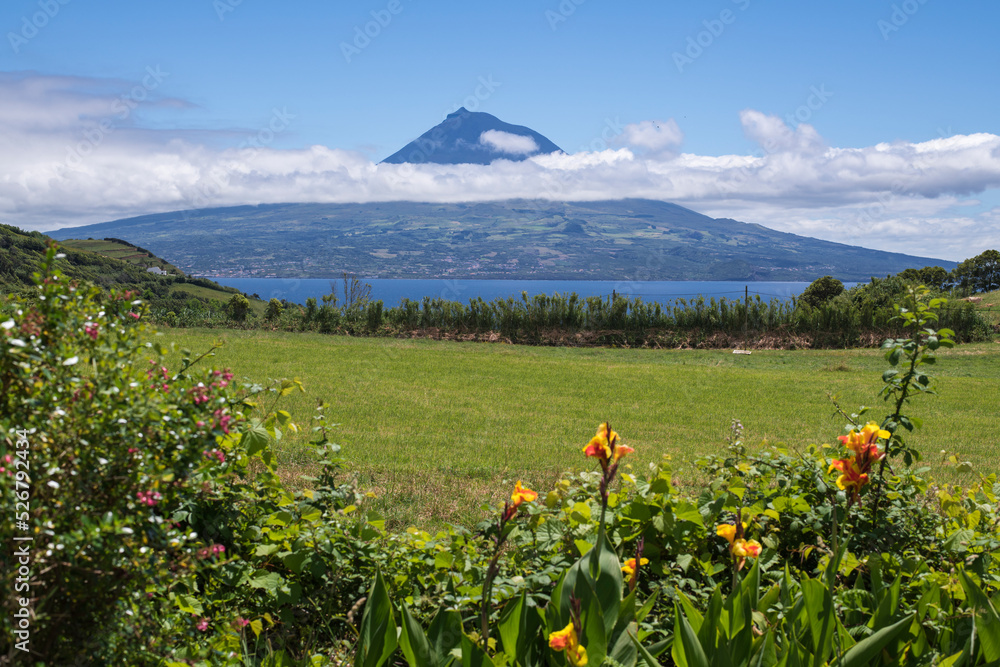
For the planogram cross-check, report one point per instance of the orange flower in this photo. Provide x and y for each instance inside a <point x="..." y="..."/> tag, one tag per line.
<point x="622" y="450"/>
<point x="630" y="569"/>
<point x="864" y="443"/>
<point x="566" y="640"/>
<point x="852" y="477"/>
<point x="604" y="446"/>
<point x="745" y="548"/>
<point x="520" y="495"/>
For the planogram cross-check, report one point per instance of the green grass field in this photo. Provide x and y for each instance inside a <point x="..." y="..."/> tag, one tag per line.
<point x="437" y="428"/>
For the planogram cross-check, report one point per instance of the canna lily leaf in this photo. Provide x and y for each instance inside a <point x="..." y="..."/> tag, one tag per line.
<point x="867" y="649"/>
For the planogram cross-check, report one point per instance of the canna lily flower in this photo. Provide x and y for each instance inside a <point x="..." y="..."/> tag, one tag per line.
<point x="864" y="443"/>
<point x="730" y="532"/>
<point x="852" y="477"/>
<point x="632" y="570"/>
<point x="745" y="548"/>
<point x="566" y="640"/>
<point x="604" y="446"/>
<point x="622" y="450"/>
<point x="520" y="495"/>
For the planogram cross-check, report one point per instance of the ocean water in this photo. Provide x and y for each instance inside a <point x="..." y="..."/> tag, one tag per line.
<point x="392" y="291"/>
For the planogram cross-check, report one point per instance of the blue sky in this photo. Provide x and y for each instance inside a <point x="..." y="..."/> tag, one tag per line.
<point x="782" y="101"/>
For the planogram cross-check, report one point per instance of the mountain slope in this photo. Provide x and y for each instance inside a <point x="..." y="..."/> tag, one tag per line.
<point x="631" y="239"/>
<point x="110" y="264"/>
<point x="473" y="137"/>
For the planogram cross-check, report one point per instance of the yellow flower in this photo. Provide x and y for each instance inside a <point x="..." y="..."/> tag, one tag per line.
<point x="522" y="494"/>
<point x="630" y="569"/>
<point x="566" y="640"/>
<point x="599" y="446"/>
<point x="629" y="566"/>
<point x="745" y="548"/>
<point x="728" y="531"/>
<point x="864" y="443"/>
<point x="852" y="476"/>
<point x="560" y="639"/>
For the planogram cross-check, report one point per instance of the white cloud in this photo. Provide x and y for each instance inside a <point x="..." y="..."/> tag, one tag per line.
<point x="652" y="136"/>
<point x="917" y="198"/>
<point x="506" y="142"/>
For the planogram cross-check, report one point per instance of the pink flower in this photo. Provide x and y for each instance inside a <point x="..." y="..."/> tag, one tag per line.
<point x="148" y="497"/>
<point x="132" y="450"/>
<point x="7" y="459"/>
<point x="200" y="424"/>
<point x="134" y="315"/>
<point x="241" y="623"/>
<point x="91" y="330"/>
<point x="203" y="625"/>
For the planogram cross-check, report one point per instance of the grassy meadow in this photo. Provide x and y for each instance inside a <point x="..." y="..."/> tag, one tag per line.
<point x="436" y="429"/>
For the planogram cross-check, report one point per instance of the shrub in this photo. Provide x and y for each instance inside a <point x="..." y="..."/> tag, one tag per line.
<point x="238" y="308"/>
<point x="821" y="290"/>
<point x="274" y="310"/>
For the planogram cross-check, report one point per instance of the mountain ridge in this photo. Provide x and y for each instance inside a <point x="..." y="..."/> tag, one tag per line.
<point x="627" y="239"/>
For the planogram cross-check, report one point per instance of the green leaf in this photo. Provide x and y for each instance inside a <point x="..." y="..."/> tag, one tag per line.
<point x="445" y="633"/>
<point x="608" y="581"/>
<point x="595" y="637"/>
<point x="987" y="621"/>
<point x="413" y="642"/>
<point x="377" y="636"/>
<point x="268" y="581"/>
<point x="767" y="654"/>
<point x="644" y="655"/>
<point x="264" y="550"/>
<point x="868" y="648"/>
<point x="688" y="511"/>
<point x="887" y="606"/>
<point x="647" y="607"/>
<point x="624" y="651"/>
<point x="255" y="439"/>
<point x="443" y="560"/>
<point x="821" y="618"/>
<point x="510" y="626"/>
<point x="294" y="561"/>
<point x="473" y="655"/>
<point x="688" y="651"/>
<point x="189" y="604"/>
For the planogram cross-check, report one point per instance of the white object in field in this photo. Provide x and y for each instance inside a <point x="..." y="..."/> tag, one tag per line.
<point x="741" y="352"/>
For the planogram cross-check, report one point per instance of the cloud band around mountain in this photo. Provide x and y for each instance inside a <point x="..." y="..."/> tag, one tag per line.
<point x="67" y="159"/>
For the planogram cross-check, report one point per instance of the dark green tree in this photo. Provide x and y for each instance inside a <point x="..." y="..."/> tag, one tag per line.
<point x="980" y="273"/>
<point x="934" y="277"/>
<point x="821" y="290"/>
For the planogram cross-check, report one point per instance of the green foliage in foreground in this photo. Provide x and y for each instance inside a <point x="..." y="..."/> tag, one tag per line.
<point x="164" y="534"/>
